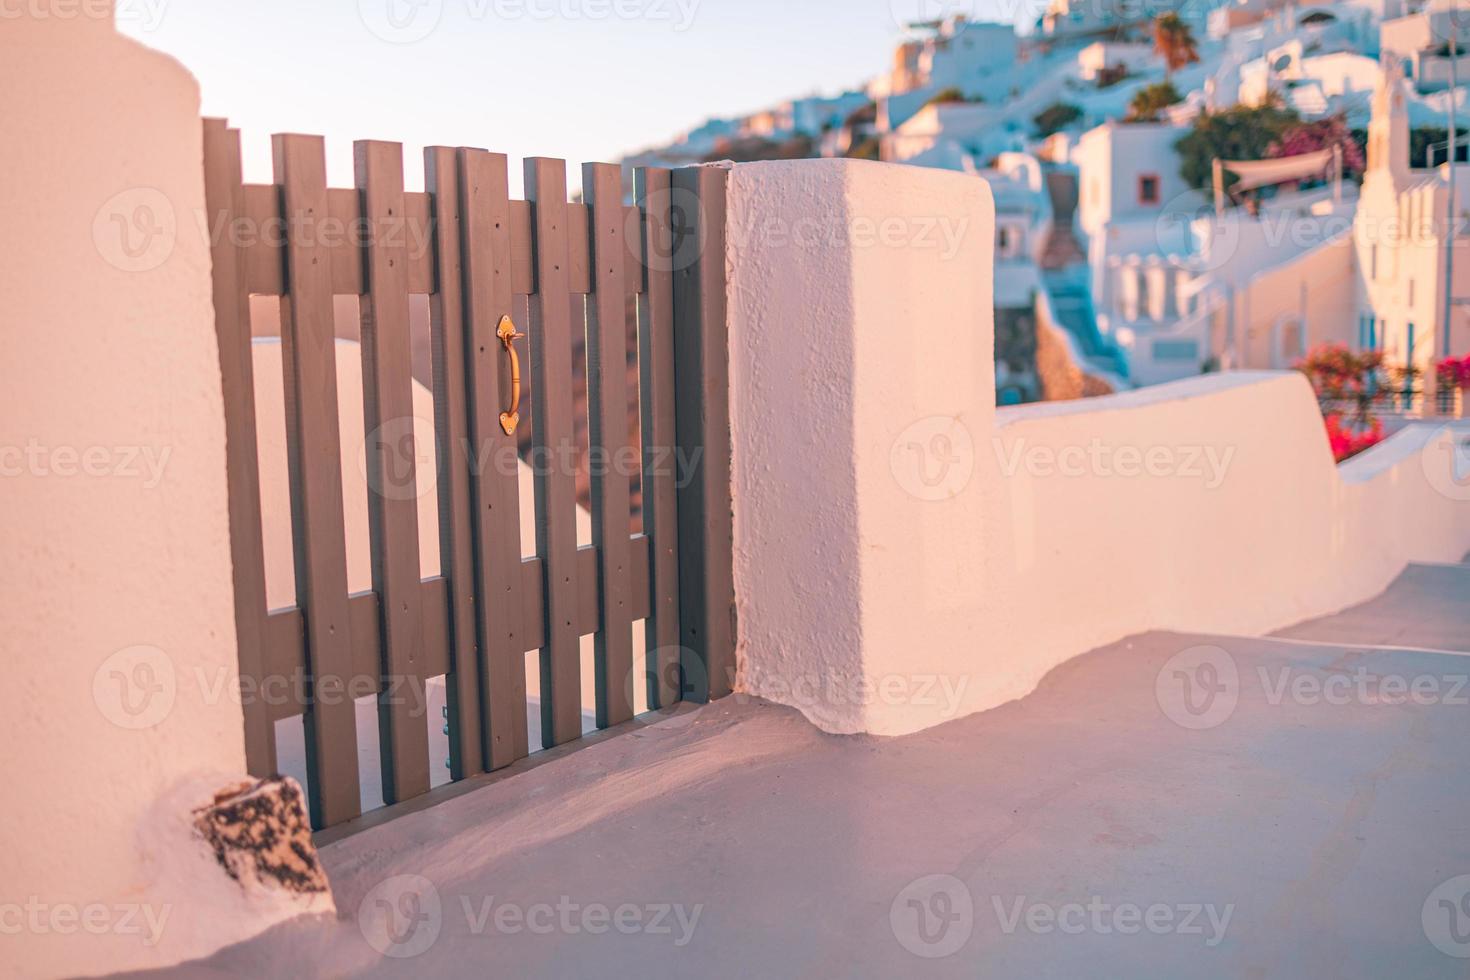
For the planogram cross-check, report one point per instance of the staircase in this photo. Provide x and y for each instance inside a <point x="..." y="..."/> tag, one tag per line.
<point x="1064" y="274"/>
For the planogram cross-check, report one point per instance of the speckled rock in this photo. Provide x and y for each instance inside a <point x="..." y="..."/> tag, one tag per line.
<point x="261" y="836"/>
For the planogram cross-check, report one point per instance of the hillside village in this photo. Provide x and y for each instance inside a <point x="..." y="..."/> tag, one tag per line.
<point x="1139" y="239"/>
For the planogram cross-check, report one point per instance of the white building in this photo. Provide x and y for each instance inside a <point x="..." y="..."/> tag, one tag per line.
<point x="1400" y="236"/>
<point x="1314" y="85"/>
<point x="1135" y="56"/>
<point x="976" y="57"/>
<point x="1420" y="39"/>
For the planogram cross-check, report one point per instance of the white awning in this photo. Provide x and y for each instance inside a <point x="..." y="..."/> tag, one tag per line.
<point x="1262" y="173"/>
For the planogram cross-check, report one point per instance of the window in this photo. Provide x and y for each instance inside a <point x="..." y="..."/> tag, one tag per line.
<point x="1176" y="350"/>
<point x="1367" y="332"/>
<point x="1148" y="189"/>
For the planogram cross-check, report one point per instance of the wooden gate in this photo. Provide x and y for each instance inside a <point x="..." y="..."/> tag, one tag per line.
<point x="578" y="269"/>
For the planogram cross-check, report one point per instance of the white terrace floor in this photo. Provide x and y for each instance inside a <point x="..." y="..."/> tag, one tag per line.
<point x="1309" y="831"/>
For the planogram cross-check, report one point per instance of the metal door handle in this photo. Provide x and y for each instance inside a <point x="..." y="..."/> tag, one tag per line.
<point x="508" y="336"/>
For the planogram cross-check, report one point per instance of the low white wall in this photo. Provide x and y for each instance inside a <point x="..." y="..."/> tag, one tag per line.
<point x="906" y="554"/>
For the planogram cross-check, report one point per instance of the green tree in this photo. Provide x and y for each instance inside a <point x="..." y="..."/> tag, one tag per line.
<point x="1175" y="43"/>
<point x="1056" y="117"/>
<point x="1151" y="99"/>
<point x="1238" y="133"/>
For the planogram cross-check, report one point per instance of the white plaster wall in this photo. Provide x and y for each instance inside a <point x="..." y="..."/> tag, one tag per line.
<point x="907" y="554"/>
<point x="832" y="562"/>
<point x="1110" y="159"/>
<point x="118" y="640"/>
<point x="1316" y="288"/>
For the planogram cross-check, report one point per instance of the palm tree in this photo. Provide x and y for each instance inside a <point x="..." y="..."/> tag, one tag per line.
<point x="1175" y="43"/>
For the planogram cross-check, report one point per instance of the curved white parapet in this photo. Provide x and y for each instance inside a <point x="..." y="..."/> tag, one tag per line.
<point x="906" y="554"/>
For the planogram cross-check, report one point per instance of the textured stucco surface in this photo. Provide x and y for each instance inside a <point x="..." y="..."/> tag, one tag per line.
<point x="907" y="554"/>
<point x="117" y="712"/>
<point x="841" y="296"/>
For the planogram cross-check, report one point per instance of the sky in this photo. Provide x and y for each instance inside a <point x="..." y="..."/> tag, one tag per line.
<point x="584" y="80"/>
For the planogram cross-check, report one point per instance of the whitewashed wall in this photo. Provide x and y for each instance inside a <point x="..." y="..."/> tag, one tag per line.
<point x="120" y="709"/>
<point x="907" y="554"/>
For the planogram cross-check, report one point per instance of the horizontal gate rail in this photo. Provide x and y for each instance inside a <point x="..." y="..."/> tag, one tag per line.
<point x="581" y="270"/>
<point x="285" y="644"/>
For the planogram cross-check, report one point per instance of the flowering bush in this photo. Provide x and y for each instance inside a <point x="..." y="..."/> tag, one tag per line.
<point x="1453" y="372"/>
<point x="1321" y="134"/>
<point x="1338" y="374"/>
<point x="1348" y="439"/>
<point x="1346" y="381"/>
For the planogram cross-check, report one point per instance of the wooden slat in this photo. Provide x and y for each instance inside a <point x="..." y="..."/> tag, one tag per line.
<point x="552" y="438"/>
<point x="702" y="423"/>
<point x="522" y="259"/>
<point x="223" y="200"/>
<point x="656" y="398"/>
<point x="260" y="235"/>
<point x="608" y="436"/>
<point x="392" y="485"/>
<point x="486" y="227"/>
<point x="314" y="461"/>
<point x="451" y="432"/>
<point x="284" y="657"/>
<point x="579" y="265"/>
<point x="418" y="241"/>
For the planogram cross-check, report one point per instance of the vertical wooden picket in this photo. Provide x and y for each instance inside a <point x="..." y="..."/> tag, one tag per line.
<point x="391" y="452"/>
<point x="313" y="446"/>
<point x="702" y="411"/>
<point x="451" y="421"/>
<point x="652" y="189"/>
<point x="551" y="455"/>
<point x="486" y="249"/>
<point x="222" y="189"/>
<point x="607" y="409"/>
